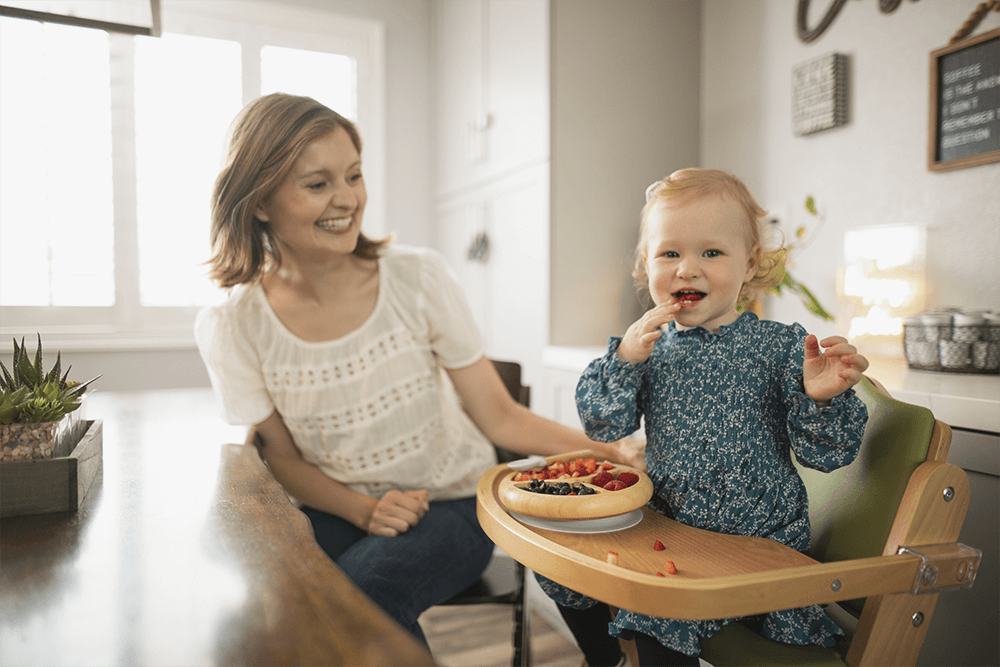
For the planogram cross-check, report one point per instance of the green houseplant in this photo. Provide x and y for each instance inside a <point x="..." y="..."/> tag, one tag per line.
<point x="790" y="284"/>
<point x="35" y="404"/>
<point x="794" y="286"/>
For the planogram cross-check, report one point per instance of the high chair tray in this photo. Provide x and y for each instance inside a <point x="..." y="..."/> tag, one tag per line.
<point x="717" y="576"/>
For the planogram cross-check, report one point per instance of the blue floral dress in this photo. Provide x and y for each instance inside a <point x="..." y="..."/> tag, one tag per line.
<point x="723" y="413"/>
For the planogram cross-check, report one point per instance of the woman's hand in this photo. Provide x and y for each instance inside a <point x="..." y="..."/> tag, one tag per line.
<point x="829" y="373"/>
<point x="640" y="338"/>
<point x="398" y="511"/>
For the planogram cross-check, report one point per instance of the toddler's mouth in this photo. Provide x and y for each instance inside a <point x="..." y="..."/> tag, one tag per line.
<point x="688" y="296"/>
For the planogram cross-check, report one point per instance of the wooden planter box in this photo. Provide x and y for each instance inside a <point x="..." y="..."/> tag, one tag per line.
<point x="52" y="485"/>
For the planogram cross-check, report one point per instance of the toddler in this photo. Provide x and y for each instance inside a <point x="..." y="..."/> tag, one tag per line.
<point x="726" y="399"/>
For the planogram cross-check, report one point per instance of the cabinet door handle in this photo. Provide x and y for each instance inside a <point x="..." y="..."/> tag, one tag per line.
<point x="479" y="251"/>
<point x="481" y="122"/>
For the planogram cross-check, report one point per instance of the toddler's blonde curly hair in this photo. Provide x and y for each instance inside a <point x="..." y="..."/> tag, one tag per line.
<point x="688" y="184"/>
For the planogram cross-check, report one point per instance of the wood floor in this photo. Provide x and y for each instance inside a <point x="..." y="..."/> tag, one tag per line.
<point x="480" y="636"/>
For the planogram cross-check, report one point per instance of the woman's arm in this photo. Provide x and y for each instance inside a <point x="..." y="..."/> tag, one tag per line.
<point x="394" y="513"/>
<point x="512" y="426"/>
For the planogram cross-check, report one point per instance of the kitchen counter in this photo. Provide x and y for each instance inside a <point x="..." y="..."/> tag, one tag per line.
<point x="961" y="400"/>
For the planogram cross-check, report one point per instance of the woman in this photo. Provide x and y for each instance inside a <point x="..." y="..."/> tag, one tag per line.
<point x="357" y="363"/>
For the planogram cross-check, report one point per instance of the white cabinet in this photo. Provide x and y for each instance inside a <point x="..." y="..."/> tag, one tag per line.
<point x="561" y="87"/>
<point x="506" y="281"/>
<point x="563" y="367"/>
<point x="492" y="89"/>
<point x="492" y="206"/>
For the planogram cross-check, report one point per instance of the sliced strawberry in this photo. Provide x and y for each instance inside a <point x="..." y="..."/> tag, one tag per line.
<point x="615" y="485"/>
<point x="602" y="478"/>
<point x="669" y="567"/>
<point x="683" y="296"/>
<point x="660" y="574"/>
<point x="524" y="477"/>
<point x="613" y="557"/>
<point x="590" y="466"/>
<point x="607" y="466"/>
<point x="658" y="546"/>
<point x="627" y="478"/>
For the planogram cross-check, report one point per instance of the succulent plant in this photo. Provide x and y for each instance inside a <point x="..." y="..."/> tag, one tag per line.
<point x="29" y="394"/>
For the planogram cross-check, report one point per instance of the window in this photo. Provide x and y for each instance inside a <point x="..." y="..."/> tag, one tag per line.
<point x="111" y="144"/>
<point x="55" y="166"/>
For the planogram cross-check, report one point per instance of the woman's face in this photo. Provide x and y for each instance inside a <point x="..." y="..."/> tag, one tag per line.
<point x="317" y="209"/>
<point x="697" y="256"/>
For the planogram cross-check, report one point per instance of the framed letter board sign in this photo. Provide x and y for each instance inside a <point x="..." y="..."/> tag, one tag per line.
<point x="964" y="127"/>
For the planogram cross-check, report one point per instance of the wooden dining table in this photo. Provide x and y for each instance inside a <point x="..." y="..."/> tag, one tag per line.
<point x="185" y="551"/>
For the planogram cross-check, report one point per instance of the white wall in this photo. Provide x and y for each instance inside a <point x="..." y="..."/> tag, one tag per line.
<point x="871" y="171"/>
<point x="625" y="82"/>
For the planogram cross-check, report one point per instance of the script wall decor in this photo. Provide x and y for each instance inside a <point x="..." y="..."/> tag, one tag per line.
<point x="807" y="34"/>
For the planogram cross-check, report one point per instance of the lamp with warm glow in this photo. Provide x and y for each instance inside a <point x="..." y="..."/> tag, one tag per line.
<point x="880" y="283"/>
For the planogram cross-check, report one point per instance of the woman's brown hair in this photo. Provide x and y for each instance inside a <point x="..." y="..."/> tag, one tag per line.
<point x="265" y="139"/>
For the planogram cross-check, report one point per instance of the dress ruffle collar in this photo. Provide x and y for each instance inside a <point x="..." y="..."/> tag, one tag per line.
<point x="741" y="322"/>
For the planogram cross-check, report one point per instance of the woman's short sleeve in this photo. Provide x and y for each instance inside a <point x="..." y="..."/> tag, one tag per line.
<point x="233" y="366"/>
<point x="453" y="333"/>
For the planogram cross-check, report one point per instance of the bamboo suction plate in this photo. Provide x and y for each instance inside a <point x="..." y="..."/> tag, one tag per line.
<point x="599" y="504"/>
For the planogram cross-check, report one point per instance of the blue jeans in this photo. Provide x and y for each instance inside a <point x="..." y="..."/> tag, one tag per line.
<point x="445" y="553"/>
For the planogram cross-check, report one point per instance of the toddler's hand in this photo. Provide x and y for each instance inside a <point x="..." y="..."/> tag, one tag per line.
<point x="638" y="342"/>
<point x="832" y="372"/>
<point x="398" y="511"/>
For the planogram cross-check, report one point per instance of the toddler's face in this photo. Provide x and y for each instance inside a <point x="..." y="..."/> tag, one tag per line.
<point x="697" y="255"/>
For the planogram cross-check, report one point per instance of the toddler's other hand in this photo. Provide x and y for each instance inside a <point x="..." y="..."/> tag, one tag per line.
<point x="829" y="373"/>
<point x="640" y="338"/>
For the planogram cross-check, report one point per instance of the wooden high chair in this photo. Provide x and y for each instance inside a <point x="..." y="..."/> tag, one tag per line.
<point x="884" y="535"/>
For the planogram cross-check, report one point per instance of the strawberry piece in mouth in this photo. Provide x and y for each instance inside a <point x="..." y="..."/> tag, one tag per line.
<point x="688" y="296"/>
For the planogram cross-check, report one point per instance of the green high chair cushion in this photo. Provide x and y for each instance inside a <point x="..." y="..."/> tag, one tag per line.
<point x="851" y="511"/>
<point x="736" y="645"/>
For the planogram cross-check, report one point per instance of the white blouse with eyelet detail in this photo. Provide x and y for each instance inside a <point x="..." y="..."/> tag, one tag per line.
<point x="374" y="409"/>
